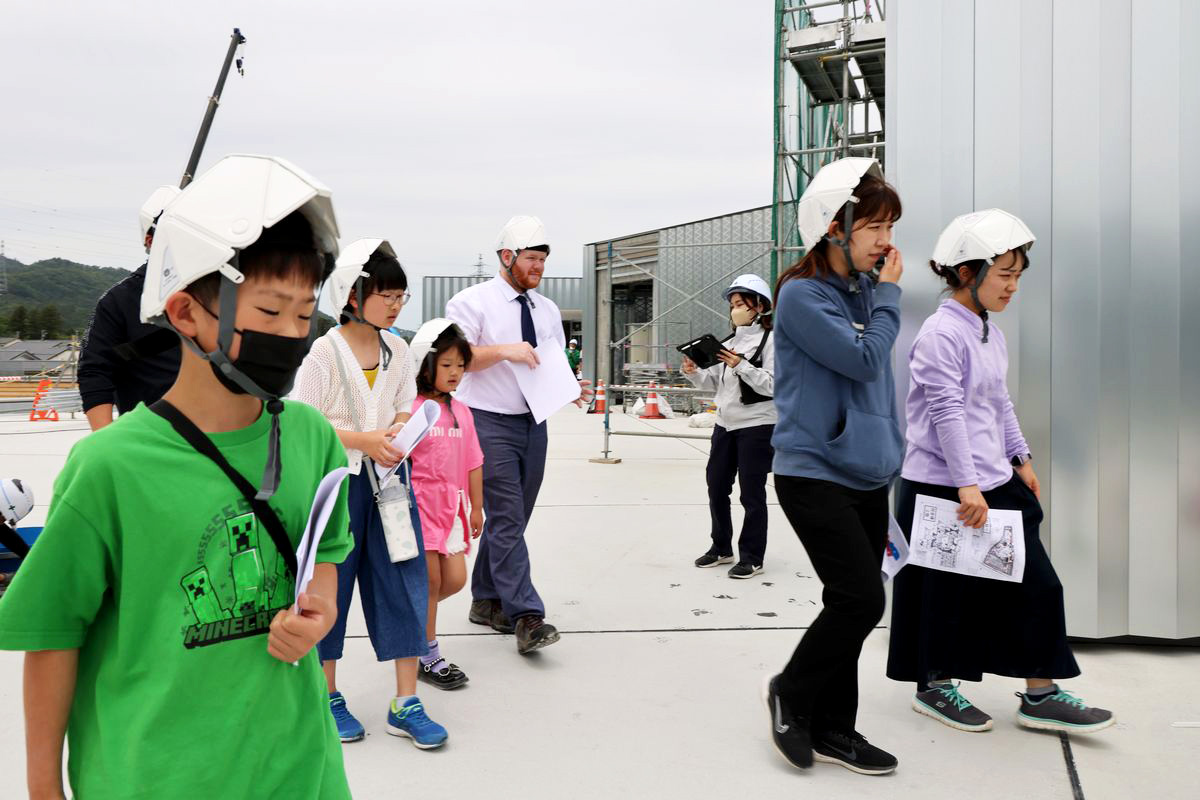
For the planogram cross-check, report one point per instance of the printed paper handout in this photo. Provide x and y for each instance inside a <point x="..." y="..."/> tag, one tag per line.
<point x="895" y="554"/>
<point x="940" y="540"/>
<point x="551" y="385"/>
<point x="322" y="508"/>
<point x="418" y="426"/>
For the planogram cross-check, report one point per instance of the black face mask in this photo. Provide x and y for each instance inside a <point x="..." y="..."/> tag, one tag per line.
<point x="269" y="360"/>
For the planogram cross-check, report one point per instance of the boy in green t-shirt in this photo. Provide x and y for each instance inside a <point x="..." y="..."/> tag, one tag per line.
<point x="155" y="606"/>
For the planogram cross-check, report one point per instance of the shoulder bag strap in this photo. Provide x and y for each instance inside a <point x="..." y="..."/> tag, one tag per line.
<point x="203" y="445"/>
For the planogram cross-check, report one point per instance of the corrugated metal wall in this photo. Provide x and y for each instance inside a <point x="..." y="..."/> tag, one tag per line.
<point x="566" y="292"/>
<point x="1083" y="117"/>
<point x="681" y="260"/>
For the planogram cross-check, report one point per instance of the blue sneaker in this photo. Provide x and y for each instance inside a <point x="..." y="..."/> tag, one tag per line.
<point x="411" y="720"/>
<point x="349" y="729"/>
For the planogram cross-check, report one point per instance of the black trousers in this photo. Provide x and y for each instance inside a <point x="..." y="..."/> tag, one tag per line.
<point x="747" y="454"/>
<point x="844" y="532"/>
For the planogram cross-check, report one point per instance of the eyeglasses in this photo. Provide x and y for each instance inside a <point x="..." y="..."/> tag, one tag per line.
<point x="392" y="299"/>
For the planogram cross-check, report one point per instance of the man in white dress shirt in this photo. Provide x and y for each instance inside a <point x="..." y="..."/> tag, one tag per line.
<point x="505" y="319"/>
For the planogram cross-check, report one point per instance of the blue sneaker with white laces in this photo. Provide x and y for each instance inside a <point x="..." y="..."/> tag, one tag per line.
<point x="411" y="720"/>
<point x="349" y="729"/>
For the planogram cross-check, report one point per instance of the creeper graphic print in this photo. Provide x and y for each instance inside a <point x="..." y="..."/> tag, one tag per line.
<point x="202" y="598"/>
<point x="246" y="565"/>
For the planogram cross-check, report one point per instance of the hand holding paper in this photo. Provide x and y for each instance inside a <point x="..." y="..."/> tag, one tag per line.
<point x="551" y="385"/>
<point x="418" y="426"/>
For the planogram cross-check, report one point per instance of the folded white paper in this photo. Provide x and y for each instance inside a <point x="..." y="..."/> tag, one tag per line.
<point x="941" y="541"/>
<point x="322" y="508"/>
<point x="549" y="386"/>
<point x="417" y="428"/>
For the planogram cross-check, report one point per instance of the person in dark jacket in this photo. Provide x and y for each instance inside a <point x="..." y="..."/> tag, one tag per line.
<point x="124" y="361"/>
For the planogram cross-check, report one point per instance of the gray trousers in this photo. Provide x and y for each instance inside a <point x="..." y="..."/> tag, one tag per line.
<point x="514" y="460"/>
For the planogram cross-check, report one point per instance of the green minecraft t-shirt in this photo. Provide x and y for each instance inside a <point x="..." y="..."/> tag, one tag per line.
<point x="152" y="564"/>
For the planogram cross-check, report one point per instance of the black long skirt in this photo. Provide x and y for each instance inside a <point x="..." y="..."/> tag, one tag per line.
<point x="947" y="625"/>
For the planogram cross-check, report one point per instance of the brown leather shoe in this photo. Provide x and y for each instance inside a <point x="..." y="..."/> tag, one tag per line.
<point x="534" y="633"/>
<point x="490" y="613"/>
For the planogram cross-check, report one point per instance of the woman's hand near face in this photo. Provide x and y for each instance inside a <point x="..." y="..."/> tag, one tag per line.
<point x="893" y="266"/>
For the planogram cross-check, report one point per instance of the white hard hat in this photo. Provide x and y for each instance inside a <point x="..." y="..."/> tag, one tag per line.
<point x="16" y="500"/>
<point x="154" y="205"/>
<point x="749" y="284"/>
<point x="224" y="211"/>
<point x="350" y="268"/>
<point x="831" y="188"/>
<point x="981" y="235"/>
<point x="573" y="341"/>
<point x="521" y="233"/>
<point x="423" y="340"/>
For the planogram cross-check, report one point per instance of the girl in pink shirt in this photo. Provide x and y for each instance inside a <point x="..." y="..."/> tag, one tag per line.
<point x="447" y="479"/>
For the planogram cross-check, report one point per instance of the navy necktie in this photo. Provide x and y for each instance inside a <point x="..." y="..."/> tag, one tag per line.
<point x="527" y="331"/>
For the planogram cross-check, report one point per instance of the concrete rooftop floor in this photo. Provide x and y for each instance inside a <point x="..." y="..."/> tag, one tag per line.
<point x="653" y="690"/>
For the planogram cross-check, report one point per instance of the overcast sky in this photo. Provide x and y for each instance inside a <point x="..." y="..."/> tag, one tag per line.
<point x="432" y="122"/>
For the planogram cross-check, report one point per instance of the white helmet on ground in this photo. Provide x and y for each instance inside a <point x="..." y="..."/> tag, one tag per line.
<point x="224" y="211"/>
<point x="749" y="284"/>
<point x="158" y="200"/>
<point x="831" y="188"/>
<point x="521" y="233"/>
<point x="981" y="235"/>
<point x="16" y="500"/>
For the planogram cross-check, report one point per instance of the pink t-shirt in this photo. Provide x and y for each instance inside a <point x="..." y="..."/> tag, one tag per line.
<point x="441" y="464"/>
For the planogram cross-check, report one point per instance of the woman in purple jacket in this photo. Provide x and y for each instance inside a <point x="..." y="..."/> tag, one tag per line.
<point x="965" y="445"/>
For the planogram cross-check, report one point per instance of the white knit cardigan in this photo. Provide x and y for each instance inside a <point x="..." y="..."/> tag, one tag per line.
<point x="319" y="384"/>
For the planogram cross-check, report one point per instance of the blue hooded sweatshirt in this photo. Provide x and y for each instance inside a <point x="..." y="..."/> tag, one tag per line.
<point x="834" y="389"/>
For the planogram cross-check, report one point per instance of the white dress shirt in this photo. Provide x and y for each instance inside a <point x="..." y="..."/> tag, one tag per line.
<point x="488" y="313"/>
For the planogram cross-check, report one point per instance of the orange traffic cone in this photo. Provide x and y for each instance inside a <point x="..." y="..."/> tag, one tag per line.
<point x="35" y="413"/>
<point x="600" y="403"/>
<point x="651" y="411"/>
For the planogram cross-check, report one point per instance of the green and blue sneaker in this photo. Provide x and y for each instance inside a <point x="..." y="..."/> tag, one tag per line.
<point x="349" y="729"/>
<point x="410" y="720"/>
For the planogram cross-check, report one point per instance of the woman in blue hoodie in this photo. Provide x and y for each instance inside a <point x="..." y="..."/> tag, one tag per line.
<point x="837" y="448"/>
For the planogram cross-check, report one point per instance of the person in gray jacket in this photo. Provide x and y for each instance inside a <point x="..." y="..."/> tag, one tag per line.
<point x="744" y="382"/>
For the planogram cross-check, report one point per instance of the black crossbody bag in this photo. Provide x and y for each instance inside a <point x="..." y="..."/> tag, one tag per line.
<point x="749" y="396"/>
<point x="262" y="509"/>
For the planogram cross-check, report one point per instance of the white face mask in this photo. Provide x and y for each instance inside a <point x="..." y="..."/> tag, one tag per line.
<point x="742" y="316"/>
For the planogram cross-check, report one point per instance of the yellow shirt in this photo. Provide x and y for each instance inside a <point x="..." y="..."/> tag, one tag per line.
<point x="370" y="375"/>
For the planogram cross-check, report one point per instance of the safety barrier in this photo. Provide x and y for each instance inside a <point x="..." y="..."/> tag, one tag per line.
<point x="606" y="458"/>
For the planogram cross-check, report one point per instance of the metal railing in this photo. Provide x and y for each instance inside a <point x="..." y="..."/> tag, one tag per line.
<point x="606" y="458"/>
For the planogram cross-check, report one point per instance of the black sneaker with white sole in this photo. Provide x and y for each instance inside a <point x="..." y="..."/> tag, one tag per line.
<point x="789" y="733"/>
<point x="712" y="560"/>
<point x="853" y="752"/>
<point x="1062" y="711"/>
<point x="948" y="707"/>
<point x="744" y="569"/>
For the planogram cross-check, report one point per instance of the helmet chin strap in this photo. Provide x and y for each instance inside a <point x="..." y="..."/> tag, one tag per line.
<point x="357" y="316"/>
<point x="983" y="313"/>
<point x="844" y="241"/>
<point x="512" y="276"/>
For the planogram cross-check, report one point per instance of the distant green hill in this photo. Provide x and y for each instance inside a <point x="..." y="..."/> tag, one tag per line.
<point x="72" y="288"/>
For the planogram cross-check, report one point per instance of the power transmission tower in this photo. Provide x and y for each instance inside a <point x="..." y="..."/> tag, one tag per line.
<point x="479" y="268"/>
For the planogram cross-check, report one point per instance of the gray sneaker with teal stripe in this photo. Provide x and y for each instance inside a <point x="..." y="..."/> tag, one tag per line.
<point x="944" y="703"/>
<point x="1061" y="711"/>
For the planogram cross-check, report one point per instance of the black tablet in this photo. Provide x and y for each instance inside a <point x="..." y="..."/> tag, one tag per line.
<point x="703" y="350"/>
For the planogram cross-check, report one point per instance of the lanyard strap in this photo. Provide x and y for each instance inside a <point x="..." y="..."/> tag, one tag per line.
<point x="203" y="445"/>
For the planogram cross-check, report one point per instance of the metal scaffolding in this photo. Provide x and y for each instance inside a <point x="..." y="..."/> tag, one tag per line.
<point x="829" y="100"/>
